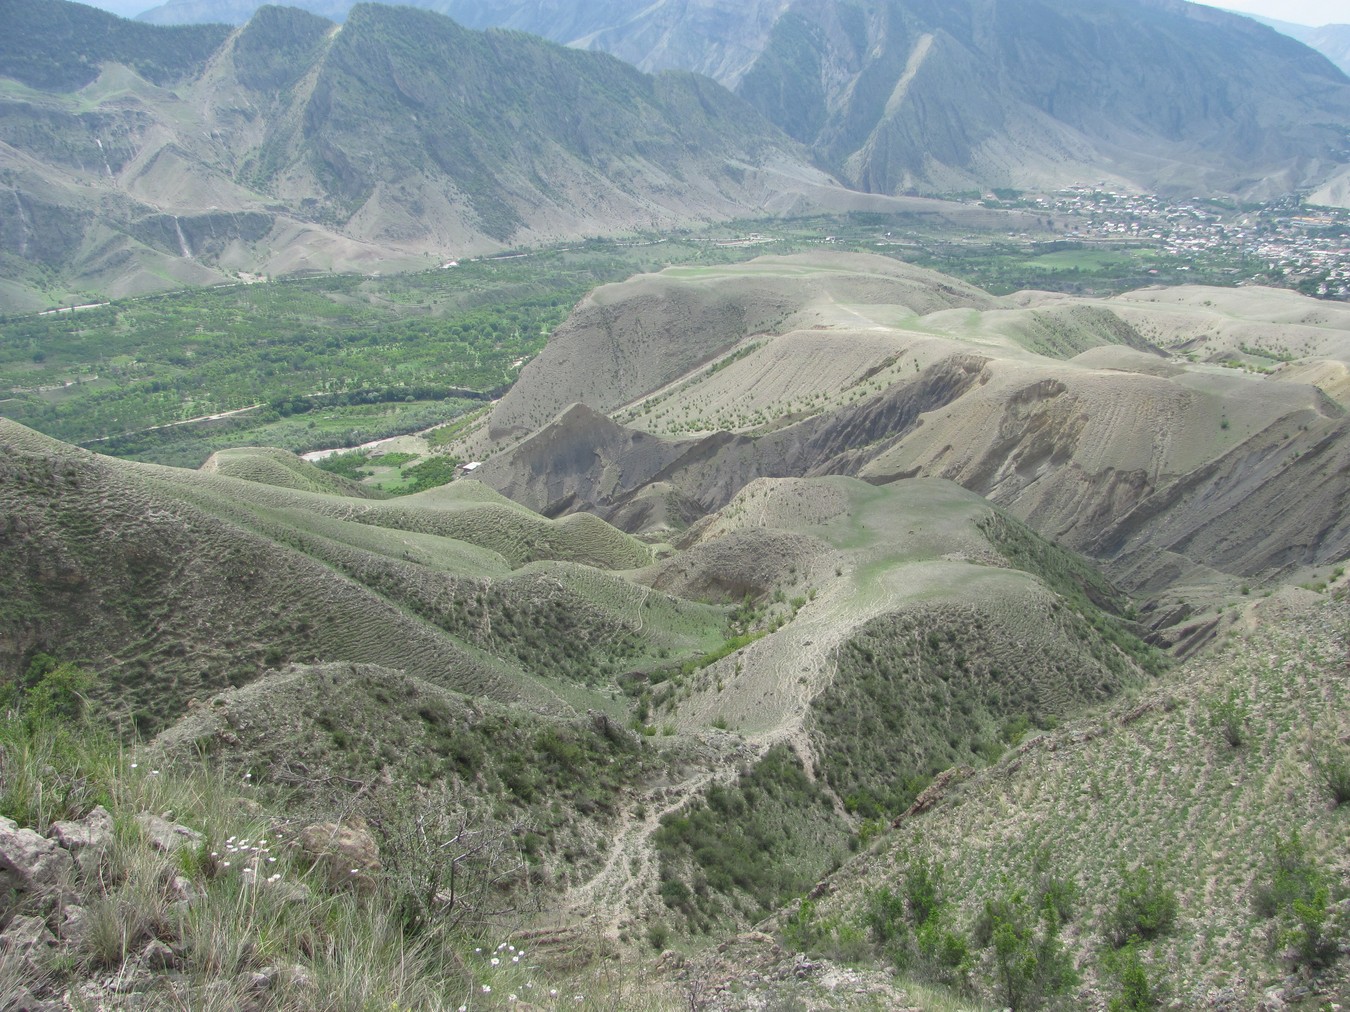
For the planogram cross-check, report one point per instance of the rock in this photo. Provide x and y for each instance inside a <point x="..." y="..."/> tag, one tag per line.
<point x="35" y="872"/>
<point x="165" y="835"/>
<point x="293" y="977"/>
<point x="670" y="960"/>
<point x="256" y="982"/>
<point x="345" y="852"/>
<point x="75" y="925"/>
<point x="22" y="1000"/>
<point x="27" y="937"/>
<point x="183" y="890"/>
<point x="158" y="956"/>
<point x="89" y="840"/>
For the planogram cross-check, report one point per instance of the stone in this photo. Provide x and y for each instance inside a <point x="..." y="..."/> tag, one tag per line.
<point x="166" y="836"/>
<point x="158" y="956"/>
<point x="345" y="852"/>
<point x="89" y="840"/>
<point x="28" y="937"/>
<point x="35" y="872"/>
<point x="75" y="925"/>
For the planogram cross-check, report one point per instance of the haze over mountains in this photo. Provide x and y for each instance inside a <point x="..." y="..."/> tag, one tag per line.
<point x="139" y="156"/>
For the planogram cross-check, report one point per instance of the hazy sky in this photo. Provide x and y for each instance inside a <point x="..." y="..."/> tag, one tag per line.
<point x="1303" y="12"/>
<point x="1300" y="12"/>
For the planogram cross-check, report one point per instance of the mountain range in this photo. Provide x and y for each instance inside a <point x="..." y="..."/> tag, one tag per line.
<point x="916" y="96"/>
<point x="132" y="160"/>
<point x="138" y="156"/>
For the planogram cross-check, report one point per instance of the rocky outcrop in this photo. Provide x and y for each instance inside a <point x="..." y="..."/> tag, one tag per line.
<point x="35" y="872"/>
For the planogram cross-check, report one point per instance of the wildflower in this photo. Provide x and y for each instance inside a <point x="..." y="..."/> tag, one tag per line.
<point x="478" y="951"/>
<point x="487" y="989"/>
<point x="224" y="864"/>
<point x="515" y="959"/>
<point x="496" y="961"/>
<point x="512" y="998"/>
<point x="135" y="766"/>
<point x="553" y="992"/>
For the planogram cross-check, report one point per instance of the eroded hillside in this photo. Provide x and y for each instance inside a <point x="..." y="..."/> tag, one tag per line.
<point x="1150" y="430"/>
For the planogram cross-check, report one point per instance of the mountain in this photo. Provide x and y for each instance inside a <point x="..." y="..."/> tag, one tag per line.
<point x="1164" y="96"/>
<point x="137" y="156"/>
<point x="1332" y="41"/>
<point x="919" y="96"/>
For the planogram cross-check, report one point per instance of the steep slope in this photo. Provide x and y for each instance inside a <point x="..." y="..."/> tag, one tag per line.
<point x="927" y="96"/>
<point x="1332" y="41"/>
<point x="1167" y="97"/>
<point x="290" y="145"/>
<point x="1213" y="781"/>
<point x="174" y="584"/>
<point x="1113" y="426"/>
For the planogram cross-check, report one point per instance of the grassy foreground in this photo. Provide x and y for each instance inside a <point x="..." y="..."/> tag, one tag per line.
<point x="240" y="915"/>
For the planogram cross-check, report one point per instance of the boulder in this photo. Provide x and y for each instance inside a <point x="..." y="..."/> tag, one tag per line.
<point x="165" y="835"/>
<point x="27" y="937"/>
<point x="35" y="872"/>
<point x="89" y="840"/>
<point x="345" y="852"/>
<point x="75" y="925"/>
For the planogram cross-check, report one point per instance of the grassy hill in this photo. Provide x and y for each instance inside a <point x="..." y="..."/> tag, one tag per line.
<point x="175" y="584"/>
<point x="1214" y="790"/>
<point x="1111" y="425"/>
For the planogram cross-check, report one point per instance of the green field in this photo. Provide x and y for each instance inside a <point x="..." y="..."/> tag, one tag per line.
<point x="335" y="360"/>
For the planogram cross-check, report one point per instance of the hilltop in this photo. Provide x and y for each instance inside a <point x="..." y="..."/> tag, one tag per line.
<point x="1163" y="432"/>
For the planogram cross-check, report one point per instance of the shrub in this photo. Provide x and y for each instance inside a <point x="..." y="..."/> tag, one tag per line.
<point x="1296" y="896"/>
<point x="1229" y="716"/>
<point x="1030" y="961"/>
<point x="1139" y="991"/>
<point x="1332" y="767"/>
<point x="1146" y="907"/>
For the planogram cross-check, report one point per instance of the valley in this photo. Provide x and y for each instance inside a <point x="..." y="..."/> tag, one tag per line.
<point x="487" y="525"/>
<point x="763" y="551"/>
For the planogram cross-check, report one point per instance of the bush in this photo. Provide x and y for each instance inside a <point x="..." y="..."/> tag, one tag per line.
<point x="1139" y="992"/>
<point x="1228" y="715"/>
<point x="1030" y="961"/>
<point x="1146" y="908"/>
<point x="1332" y="767"/>
<point x="1296" y="896"/>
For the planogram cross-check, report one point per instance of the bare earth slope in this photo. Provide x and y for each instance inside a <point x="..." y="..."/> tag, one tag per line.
<point x="1114" y="425"/>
